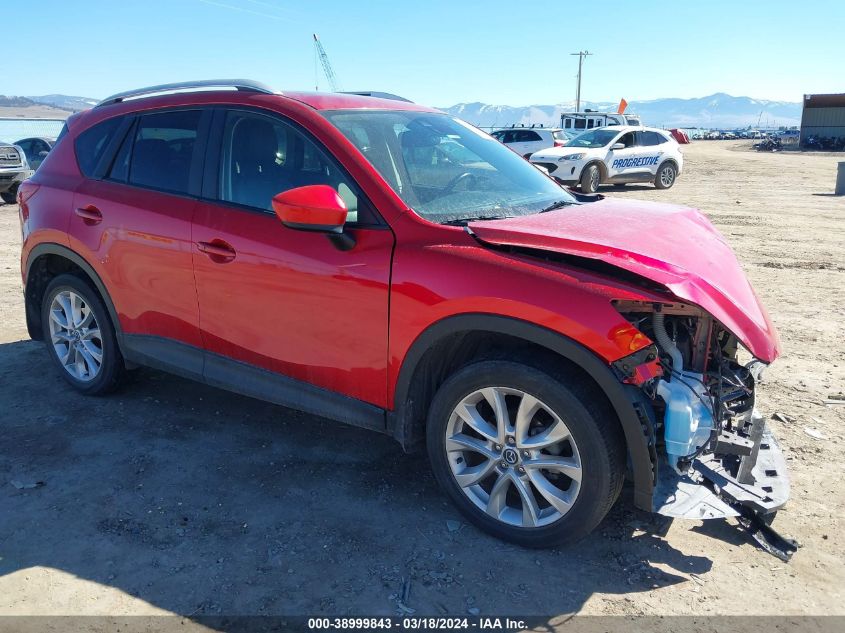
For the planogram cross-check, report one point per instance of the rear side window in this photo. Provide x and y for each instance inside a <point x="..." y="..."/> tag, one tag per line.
<point x="91" y="144"/>
<point x="526" y="137"/>
<point x="162" y="151"/>
<point x="651" y="138"/>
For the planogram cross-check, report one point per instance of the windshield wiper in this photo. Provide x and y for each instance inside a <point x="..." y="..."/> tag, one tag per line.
<point x="558" y="205"/>
<point x="480" y="218"/>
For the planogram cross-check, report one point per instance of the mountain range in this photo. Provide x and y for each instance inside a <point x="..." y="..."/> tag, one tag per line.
<point x="714" y="111"/>
<point x="718" y="110"/>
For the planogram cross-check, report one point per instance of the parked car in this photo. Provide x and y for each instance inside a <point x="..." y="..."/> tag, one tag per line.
<point x="36" y="149"/>
<point x="526" y="141"/>
<point x="315" y="250"/>
<point x="615" y="155"/>
<point x="13" y="170"/>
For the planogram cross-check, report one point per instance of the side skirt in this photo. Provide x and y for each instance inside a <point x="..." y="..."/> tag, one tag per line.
<point x="639" y="177"/>
<point x="248" y="380"/>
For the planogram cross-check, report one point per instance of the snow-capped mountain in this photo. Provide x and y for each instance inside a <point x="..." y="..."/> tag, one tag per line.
<point x="715" y="111"/>
<point x="65" y="102"/>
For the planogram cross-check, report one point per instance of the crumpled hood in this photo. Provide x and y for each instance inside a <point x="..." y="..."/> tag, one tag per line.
<point x="670" y="245"/>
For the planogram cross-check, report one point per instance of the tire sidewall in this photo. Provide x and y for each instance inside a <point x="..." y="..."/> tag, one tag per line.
<point x="110" y="368"/>
<point x="586" y="178"/>
<point x="597" y="483"/>
<point x="657" y="180"/>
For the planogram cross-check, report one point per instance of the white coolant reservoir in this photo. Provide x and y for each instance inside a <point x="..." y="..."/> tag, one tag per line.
<point x="688" y="420"/>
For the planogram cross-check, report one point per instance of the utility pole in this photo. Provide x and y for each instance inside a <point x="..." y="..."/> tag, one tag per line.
<point x="581" y="56"/>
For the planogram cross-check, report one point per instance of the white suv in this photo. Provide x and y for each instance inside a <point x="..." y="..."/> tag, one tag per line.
<point x="527" y="140"/>
<point x="615" y="155"/>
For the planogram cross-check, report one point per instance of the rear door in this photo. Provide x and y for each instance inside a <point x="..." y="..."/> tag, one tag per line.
<point x="526" y="142"/>
<point x="284" y="300"/>
<point x="654" y="145"/>
<point x="133" y="222"/>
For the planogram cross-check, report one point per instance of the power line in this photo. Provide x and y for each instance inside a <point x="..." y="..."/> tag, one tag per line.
<point x="581" y="56"/>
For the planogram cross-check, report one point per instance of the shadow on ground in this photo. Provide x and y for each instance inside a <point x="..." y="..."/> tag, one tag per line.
<point x="202" y="502"/>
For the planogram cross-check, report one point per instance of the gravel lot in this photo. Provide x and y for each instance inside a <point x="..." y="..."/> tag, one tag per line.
<point x="175" y="497"/>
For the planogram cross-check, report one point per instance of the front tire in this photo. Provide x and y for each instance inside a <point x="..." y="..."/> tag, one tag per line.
<point x="531" y="458"/>
<point x="666" y="176"/>
<point x="590" y="179"/>
<point x="80" y="337"/>
<point x="10" y="196"/>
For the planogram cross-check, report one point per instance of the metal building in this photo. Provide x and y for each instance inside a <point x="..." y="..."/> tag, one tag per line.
<point x="823" y="116"/>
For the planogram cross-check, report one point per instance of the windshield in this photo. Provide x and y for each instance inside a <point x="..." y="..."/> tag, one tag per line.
<point x="446" y="170"/>
<point x="594" y="139"/>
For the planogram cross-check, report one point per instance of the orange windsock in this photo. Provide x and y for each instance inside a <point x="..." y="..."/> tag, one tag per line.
<point x="622" y="105"/>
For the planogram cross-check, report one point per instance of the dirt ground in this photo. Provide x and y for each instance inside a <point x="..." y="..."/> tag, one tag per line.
<point x="171" y="496"/>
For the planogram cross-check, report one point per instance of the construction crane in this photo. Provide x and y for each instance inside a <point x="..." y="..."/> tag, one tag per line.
<point x="327" y="67"/>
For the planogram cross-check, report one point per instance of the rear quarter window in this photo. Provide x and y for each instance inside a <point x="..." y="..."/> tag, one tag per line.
<point x="91" y="144"/>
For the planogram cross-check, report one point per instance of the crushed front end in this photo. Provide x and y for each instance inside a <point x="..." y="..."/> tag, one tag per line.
<point x="717" y="458"/>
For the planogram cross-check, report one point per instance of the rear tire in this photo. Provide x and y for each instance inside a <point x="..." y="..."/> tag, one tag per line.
<point x="666" y="176"/>
<point x="590" y="179"/>
<point x="545" y="477"/>
<point x="80" y="337"/>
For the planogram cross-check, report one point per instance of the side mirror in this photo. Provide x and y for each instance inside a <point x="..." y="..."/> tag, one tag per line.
<point x="312" y="208"/>
<point x="617" y="146"/>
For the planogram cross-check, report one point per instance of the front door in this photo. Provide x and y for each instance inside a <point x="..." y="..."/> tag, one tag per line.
<point x="625" y="163"/>
<point x="281" y="299"/>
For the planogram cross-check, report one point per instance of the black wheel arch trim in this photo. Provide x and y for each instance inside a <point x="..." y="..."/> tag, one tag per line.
<point x="633" y="413"/>
<point x="51" y="248"/>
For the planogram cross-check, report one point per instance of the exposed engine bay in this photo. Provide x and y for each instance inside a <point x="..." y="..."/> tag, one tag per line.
<point x="717" y="457"/>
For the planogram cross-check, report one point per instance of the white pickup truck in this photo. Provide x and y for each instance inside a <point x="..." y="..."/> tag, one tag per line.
<point x="14" y="169"/>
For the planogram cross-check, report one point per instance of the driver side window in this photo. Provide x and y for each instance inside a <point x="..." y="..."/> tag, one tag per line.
<point x="627" y="140"/>
<point x="263" y="156"/>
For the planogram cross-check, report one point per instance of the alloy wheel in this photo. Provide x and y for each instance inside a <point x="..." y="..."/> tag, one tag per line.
<point x="667" y="176"/>
<point x="513" y="457"/>
<point x="75" y="336"/>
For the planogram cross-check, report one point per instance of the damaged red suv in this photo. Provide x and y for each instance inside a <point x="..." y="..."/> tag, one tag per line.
<point x="384" y="264"/>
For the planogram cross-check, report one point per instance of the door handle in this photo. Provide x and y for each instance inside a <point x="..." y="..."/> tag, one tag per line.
<point x="90" y="214"/>
<point x="218" y="250"/>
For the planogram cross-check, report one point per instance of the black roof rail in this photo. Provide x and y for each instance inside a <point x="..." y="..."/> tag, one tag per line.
<point x="243" y="85"/>
<point x="379" y="95"/>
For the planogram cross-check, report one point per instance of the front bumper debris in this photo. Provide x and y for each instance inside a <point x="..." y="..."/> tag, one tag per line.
<point x="745" y="478"/>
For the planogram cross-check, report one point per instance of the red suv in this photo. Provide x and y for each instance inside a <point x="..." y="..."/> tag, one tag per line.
<point x="386" y="265"/>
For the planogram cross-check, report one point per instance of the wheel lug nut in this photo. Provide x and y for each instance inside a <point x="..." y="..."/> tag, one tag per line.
<point x="498" y="447"/>
<point x="504" y="465"/>
<point x="511" y="440"/>
<point x="521" y="469"/>
<point x="526" y="454"/>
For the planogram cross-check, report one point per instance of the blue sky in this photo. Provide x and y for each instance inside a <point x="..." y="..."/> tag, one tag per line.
<point x="437" y="52"/>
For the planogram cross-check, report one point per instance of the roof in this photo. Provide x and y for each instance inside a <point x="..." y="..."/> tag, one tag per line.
<point x="245" y="87"/>
<point x="533" y="129"/>
<point x="824" y="101"/>
<point x="343" y="101"/>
